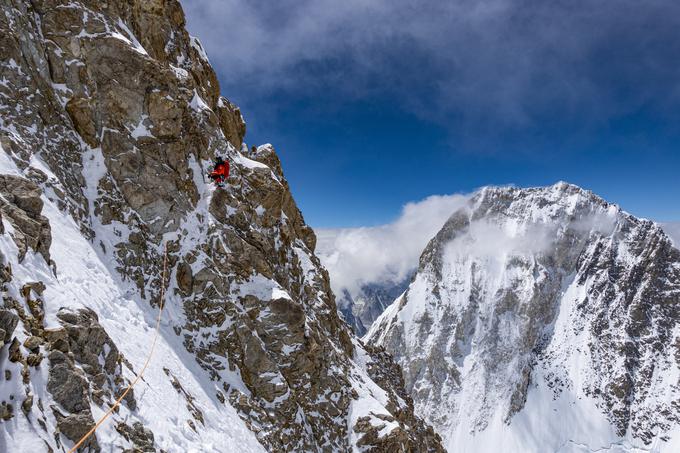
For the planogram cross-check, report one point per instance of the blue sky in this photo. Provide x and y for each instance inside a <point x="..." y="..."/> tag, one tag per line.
<point x="375" y="103"/>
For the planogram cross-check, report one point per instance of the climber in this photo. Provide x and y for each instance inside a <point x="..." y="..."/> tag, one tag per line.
<point x="220" y="172"/>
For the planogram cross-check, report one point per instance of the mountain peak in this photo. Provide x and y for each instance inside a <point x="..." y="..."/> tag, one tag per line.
<point x="540" y="301"/>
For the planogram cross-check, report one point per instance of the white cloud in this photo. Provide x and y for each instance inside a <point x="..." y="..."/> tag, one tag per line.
<point x="355" y="256"/>
<point x="506" y="59"/>
<point x="673" y="231"/>
<point x="491" y="240"/>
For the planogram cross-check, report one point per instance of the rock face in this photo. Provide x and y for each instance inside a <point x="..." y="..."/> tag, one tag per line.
<point x="21" y="204"/>
<point x="543" y="320"/>
<point x="110" y="116"/>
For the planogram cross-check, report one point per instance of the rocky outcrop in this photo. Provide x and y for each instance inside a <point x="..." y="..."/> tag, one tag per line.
<point x="231" y="121"/>
<point x="68" y="387"/>
<point x="95" y="353"/>
<point x="84" y="365"/>
<point x="387" y="374"/>
<point x="141" y="437"/>
<point x="8" y="322"/>
<point x="21" y="204"/>
<point x="123" y="120"/>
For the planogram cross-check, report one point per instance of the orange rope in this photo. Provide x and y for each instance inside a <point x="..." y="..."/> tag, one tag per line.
<point x="139" y="375"/>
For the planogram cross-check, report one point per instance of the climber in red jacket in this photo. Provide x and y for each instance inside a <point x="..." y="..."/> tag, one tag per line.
<point x="220" y="172"/>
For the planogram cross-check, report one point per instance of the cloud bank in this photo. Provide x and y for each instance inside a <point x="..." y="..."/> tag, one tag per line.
<point x="672" y="229"/>
<point x="386" y="253"/>
<point x="481" y="62"/>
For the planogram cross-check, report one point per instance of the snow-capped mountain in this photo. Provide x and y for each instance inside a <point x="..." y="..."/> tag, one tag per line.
<point x="110" y="118"/>
<point x="543" y="320"/>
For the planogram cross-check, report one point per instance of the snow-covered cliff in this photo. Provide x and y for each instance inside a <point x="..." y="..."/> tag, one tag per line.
<point x="543" y="320"/>
<point x="110" y="117"/>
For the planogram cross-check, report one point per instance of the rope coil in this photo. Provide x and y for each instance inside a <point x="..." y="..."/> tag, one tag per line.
<point x="139" y="375"/>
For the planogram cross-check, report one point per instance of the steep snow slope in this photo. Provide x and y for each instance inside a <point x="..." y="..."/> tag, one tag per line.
<point x="84" y="279"/>
<point x="110" y="117"/>
<point x="543" y="320"/>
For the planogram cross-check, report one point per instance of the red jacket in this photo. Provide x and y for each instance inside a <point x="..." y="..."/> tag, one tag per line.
<point x="221" y="171"/>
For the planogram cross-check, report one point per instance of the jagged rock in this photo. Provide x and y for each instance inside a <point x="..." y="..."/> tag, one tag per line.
<point x="37" y="287"/>
<point x="34" y="360"/>
<point x="8" y="322"/>
<point x="26" y="373"/>
<point x="37" y="310"/>
<point x="15" y="351"/>
<point x="185" y="279"/>
<point x="27" y="405"/>
<point x="142" y="438"/>
<point x="67" y="386"/>
<point x="371" y="438"/>
<point x="22" y="193"/>
<point x="82" y="115"/>
<point x="94" y="350"/>
<point x="33" y="343"/>
<point x="75" y="426"/>
<point x="21" y="204"/>
<point x="5" y="268"/>
<point x="57" y="339"/>
<point x="6" y="411"/>
<point x="231" y="121"/>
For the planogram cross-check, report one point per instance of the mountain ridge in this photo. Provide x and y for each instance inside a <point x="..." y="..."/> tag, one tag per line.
<point x="530" y="301"/>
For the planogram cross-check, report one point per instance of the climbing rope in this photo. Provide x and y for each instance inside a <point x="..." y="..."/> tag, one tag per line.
<point x="148" y="359"/>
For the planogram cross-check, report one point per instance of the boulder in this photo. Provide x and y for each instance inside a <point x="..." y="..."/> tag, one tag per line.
<point x="21" y="204"/>
<point x="6" y="411"/>
<point x="185" y="278"/>
<point x="8" y="322"/>
<point x="33" y="343"/>
<point x="68" y="387"/>
<point x="27" y="405"/>
<point x="15" y="351"/>
<point x="75" y="426"/>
